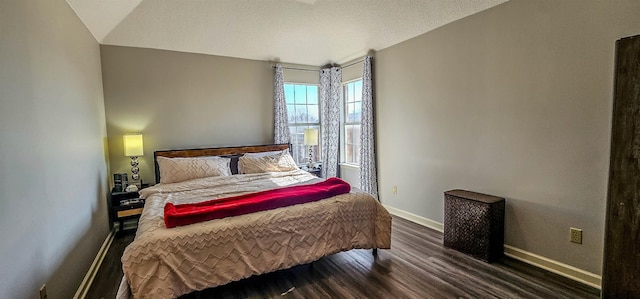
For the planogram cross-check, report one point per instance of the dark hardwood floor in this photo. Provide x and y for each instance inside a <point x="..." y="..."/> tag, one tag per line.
<point x="417" y="266"/>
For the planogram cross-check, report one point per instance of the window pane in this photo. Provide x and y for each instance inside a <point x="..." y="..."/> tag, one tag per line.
<point x="352" y="143"/>
<point x="297" y="146"/>
<point x="348" y="134"/>
<point x="356" y="142"/>
<point x="315" y="153"/>
<point x="313" y="113"/>
<point x="301" y="113"/>
<point x="357" y="86"/>
<point x="346" y="153"/>
<point x="292" y="136"/>
<point x="296" y="153"/>
<point x="352" y="94"/>
<point x="288" y="93"/>
<point x="291" y="113"/>
<point x="300" y="131"/>
<point x="302" y="107"/>
<point x="301" y="94"/>
<point x="351" y="112"/>
<point x="296" y="139"/>
<point x="345" y="109"/>
<point x="312" y="94"/>
<point x="356" y="134"/>
<point x="292" y="133"/>
<point x="345" y="93"/>
<point x="294" y="115"/>
<point x="357" y="111"/>
<point x="304" y="150"/>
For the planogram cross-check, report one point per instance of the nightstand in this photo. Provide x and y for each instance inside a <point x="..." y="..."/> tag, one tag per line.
<point x="124" y="206"/>
<point x="315" y="171"/>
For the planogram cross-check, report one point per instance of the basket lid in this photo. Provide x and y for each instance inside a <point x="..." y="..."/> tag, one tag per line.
<point x="474" y="196"/>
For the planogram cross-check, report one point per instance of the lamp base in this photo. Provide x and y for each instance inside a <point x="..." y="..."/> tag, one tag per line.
<point x="134" y="168"/>
<point x="310" y="164"/>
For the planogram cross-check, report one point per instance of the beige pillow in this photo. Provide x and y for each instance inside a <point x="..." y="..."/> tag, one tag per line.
<point x="174" y="170"/>
<point x="262" y="154"/>
<point x="274" y="163"/>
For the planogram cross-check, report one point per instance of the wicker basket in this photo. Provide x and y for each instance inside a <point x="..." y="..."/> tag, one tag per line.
<point x="474" y="224"/>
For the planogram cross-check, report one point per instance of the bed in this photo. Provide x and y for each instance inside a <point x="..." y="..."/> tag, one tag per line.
<point x="166" y="262"/>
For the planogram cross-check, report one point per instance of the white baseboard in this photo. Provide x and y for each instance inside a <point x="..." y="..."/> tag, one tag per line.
<point x="533" y="259"/>
<point x="415" y="218"/>
<point x="81" y="293"/>
<point x="554" y="266"/>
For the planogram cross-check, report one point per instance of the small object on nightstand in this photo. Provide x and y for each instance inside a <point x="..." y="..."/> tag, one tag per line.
<point x="131" y="188"/>
<point x="315" y="171"/>
<point x="120" y="181"/>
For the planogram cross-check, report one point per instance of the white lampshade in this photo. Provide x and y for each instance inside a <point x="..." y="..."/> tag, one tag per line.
<point x="311" y="136"/>
<point x="133" y="145"/>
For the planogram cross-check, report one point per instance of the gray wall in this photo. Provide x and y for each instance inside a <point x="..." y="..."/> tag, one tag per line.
<point x="53" y="167"/>
<point x="183" y="100"/>
<point x="514" y="101"/>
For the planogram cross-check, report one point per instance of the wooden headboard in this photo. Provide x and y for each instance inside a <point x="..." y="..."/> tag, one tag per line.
<point x="233" y="152"/>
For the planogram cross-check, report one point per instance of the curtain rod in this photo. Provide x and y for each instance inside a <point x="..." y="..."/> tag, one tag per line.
<point x="297" y="69"/>
<point x="352" y="64"/>
<point x="312" y="70"/>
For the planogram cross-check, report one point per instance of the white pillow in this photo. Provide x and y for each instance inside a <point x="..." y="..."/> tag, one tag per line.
<point x="174" y="170"/>
<point x="271" y="163"/>
<point x="263" y="154"/>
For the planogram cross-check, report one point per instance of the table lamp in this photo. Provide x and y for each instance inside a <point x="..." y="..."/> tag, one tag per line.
<point x="310" y="139"/>
<point x="133" y="148"/>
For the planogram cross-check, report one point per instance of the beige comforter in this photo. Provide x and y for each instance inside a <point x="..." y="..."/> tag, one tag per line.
<point x="166" y="263"/>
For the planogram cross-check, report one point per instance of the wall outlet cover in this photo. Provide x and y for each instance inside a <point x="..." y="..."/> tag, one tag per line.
<point x="575" y="235"/>
<point x="43" y="291"/>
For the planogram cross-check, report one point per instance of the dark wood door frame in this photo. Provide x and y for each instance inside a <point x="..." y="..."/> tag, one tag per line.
<point x="621" y="272"/>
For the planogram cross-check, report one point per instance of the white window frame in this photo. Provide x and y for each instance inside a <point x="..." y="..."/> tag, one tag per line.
<point x="304" y="158"/>
<point x="344" y="123"/>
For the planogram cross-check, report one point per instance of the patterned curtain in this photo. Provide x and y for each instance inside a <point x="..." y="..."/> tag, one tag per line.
<point x="330" y="84"/>
<point x="368" y="176"/>
<point x="280" y="119"/>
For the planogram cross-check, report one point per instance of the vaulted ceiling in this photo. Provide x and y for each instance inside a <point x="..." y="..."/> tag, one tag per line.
<point x="311" y="32"/>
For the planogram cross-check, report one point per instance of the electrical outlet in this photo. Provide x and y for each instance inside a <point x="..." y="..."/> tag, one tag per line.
<point x="575" y="235"/>
<point x="394" y="189"/>
<point x="43" y="292"/>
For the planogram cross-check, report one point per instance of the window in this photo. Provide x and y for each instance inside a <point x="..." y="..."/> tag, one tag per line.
<point x="352" y="113"/>
<point x="303" y="111"/>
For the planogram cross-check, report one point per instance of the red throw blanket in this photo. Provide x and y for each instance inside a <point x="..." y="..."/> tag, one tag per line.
<point x="184" y="214"/>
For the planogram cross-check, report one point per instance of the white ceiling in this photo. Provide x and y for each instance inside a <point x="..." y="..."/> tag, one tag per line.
<point x="311" y="32"/>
